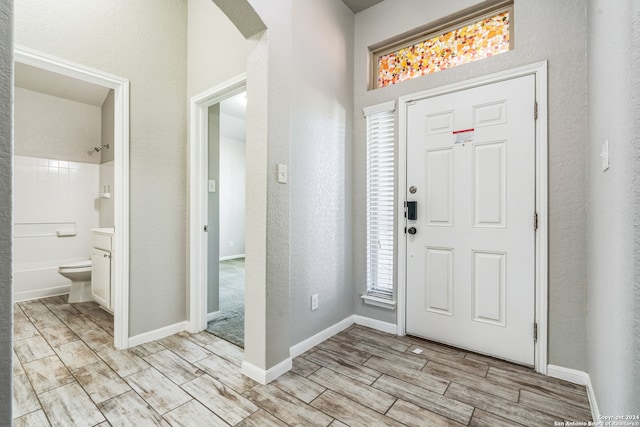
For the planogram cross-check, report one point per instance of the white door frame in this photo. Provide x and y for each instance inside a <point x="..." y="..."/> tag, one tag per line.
<point x="120" y="87"/>
<point x="541" y="239"/>
<point x="198" y="176"/>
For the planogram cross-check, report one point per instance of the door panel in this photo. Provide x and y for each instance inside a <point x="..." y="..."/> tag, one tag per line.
<point x="439" y="167"/>
<point x="470" y="266"/>
<point x="489" y="285"/>
<point x="490" y="185"/>
<point x="439" y="280"/>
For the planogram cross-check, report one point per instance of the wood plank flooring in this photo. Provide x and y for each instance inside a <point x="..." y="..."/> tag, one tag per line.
<point x="67" y="373"/>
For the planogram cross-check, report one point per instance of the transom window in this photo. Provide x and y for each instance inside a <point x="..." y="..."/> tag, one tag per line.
<point x="476" y="37"/>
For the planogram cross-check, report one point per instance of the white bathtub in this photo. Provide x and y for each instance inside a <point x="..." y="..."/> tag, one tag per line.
<point x="38" y="281"/>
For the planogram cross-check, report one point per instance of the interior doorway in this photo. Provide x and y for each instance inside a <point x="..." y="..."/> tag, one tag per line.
<point x="217" y="209"/>
<point x="67" y="77"/>
<point x="226" y="214"/>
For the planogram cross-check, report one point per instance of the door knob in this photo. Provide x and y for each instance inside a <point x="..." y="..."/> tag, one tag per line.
<point x="412" y="230"/>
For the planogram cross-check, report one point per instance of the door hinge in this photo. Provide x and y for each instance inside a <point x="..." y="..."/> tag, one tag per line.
<point x="535" y="110"/>
<point x="535" y="221"/>
<point x="206" y="228"/>
<point x="535" y="332"/>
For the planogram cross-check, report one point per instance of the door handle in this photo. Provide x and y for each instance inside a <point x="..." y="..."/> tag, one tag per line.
<point x="412" y="230"/>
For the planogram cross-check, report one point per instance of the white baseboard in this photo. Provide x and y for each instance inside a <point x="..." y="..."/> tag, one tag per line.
<point x="229" y="257"/>
<point x="213" y="315"/>
<point x="265" y="377"/>
<point x="158" y="333"/>
<point x="41" y="293"/>
<point x="379" y="325"/>
<point x="313" y="341"/>
<point x="577" y="377"/>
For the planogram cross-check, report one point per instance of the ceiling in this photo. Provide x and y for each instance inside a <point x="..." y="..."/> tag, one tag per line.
<point x="235" y="106"/>
<point x="54" y="84"/>
<point x="360" y="5"/>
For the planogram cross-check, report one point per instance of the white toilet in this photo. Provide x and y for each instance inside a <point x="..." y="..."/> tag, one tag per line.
<point x="79" y="272"/>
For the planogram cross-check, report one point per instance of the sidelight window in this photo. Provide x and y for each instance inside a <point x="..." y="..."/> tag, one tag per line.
<point x="380" y="200"/>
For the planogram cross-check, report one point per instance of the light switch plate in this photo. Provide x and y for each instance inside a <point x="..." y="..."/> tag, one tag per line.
<point x="604" y="155"/>
<point x="212" y="186"/>
<point x="282" y="174"/>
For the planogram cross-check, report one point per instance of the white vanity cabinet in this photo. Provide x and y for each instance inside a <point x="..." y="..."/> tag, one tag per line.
<point x="101" y="267"/>
<point x="101" y="277"/>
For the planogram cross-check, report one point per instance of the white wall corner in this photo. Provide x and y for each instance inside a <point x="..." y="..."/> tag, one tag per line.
<point x="577" y="377"/>
<point x="323" y="335"/>
<point x="265" y="377"/>
<point x="158" y="333"/>
<point x="390" y="328"/>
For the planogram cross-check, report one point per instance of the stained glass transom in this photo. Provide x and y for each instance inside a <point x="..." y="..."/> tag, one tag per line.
<point x="482" y="39"/>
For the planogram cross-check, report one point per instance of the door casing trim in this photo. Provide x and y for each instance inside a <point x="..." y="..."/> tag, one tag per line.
<point x="120" y="88"/>
<point x="198" y="175"/>
<point x="539" y="70"/>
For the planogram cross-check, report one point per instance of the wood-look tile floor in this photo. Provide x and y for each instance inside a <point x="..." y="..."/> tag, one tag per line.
<point x="67" y="373"/>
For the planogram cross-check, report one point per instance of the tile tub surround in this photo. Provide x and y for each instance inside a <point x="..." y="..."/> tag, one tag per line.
<point x="51" y="196"/>
<point x="66" y="373"/>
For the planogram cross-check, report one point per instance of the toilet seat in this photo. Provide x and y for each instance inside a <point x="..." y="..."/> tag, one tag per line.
<point x="76" y="266"/>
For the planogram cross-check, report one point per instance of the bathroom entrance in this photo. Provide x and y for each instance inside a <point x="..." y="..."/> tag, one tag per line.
<point x="226" y="218"/>
<point x="71" y="193"/>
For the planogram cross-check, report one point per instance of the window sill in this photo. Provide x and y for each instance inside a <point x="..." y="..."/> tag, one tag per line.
<point x="379" y="302"/>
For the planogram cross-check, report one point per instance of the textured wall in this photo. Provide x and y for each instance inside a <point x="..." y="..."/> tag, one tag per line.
<point x="6" y="159"/>
<point x="320" y="166"/>
<point x="217" y="50"/>
<point x="146" y="42"/>
<point x="55" y="128"/>
<point x="544" y="30"/>
<point x="306" y="115"/>
<point x="268" y="144"/>
<point x="613" y="205"/>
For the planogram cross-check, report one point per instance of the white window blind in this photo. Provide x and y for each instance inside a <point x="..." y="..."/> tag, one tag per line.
<point x="380" y="199"/>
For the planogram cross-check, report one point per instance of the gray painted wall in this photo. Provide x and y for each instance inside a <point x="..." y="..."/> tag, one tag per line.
<point x="299" y="126"/>
<point x="544" y="30"/>
<point x="6" y="222"/>
<point x="614" y="205"/>
<point x="269" y="82"/>
<point x="107" y="127"/>
<point x="55" y="128"/>
<point x="320" y="166"/>
<point x="146" y="42"/>
<point x="212" y="38"/>
<point x="213" y="212"/>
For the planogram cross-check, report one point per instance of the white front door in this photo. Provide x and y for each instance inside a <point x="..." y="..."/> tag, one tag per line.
<point x="471" y="262"/>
